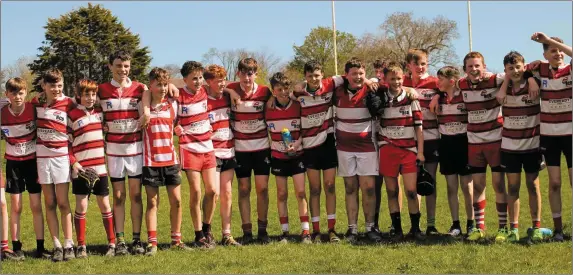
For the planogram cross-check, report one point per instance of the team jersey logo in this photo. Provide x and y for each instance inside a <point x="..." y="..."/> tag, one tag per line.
<point x="133" y="103"/>
<point x="30" y="126"/>
<point x="295" y="124"/>
<point x="567" y="82"/>
<point x="461" y="108"/>
<point x="404" y="111"/>
<point x="258" y="106"/>
<point x="525" y="99"/>
<point x="486" y="95"/>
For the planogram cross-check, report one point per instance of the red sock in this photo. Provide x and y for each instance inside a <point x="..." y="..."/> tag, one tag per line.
<point x="80" y="224"/>
<point x="536" y="224"/>
<point x="331" y="222"/>
<point x="107" y="219"/>
<point x="501" y="214"/>
<point x="316" y="224"/>
<point x="3" y="245"/>
<point x="175" y="238"/>
<point x="479" y="213"/>
<point x="152" y="237"/>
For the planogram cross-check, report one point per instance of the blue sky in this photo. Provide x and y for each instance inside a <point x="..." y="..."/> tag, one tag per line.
<point x="180" y="31"/>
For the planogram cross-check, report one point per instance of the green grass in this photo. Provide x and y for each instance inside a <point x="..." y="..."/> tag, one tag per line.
<point x="439" y="256"/>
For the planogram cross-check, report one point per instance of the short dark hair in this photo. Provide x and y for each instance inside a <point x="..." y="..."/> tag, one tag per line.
<point x="449" y="72"/>
<point x="191" y="66"/>
<point x="248" y="64"/>
<point x="160" y="75"/>
<point x="52" y="76"/>
<point x="280" y="79"/>
<point x="353" y="62"/>
<point x="15" y="84"/>
<point x="415" y="55"/>
<point x="379" y="64"/>
<point x="513" y="57"/>
<point x="393" y="67"/>
<point x="546" y="46"/>
<point x="311" y="66"/>
<point x="121" y="55"/>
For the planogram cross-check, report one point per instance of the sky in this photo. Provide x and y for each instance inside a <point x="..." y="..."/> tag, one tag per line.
<point x="179" y="31"/>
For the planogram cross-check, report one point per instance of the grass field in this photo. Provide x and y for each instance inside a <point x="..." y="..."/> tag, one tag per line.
<point x="433" y="256"/>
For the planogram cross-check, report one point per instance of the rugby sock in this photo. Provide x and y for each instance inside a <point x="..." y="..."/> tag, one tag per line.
<point x="57" y="243"/>
<point x="331" y="221"/>
<point x="247" y="228"/>
<point x="353" y="228"/>
<point x="315" y="224"/>
<point x="4" y="245"/>
<point x="456" y="224"/>
<point x="479" y="213"/>
<point x="284" y="223"/>
<point x="40" y="245"/>
<point x="396" y="222"/>
<point x="226" y="232"/>
<point x="136" y="236"/>
<point x="304" y="223"/>
<point x="16" y="245"/>
<point x="536" y="224"/>
<point x="107" y="219"/>
<point x="199" y="235"/>
<point x="557" y="224"/>
<point x="68" y="243"/>
<point x="415" y="220"/>
<point x="369" y="226"/>
<point x="120" y="237"/>
<point x="469" y="224"/>
<point x="514" y="225"/>
<point x="152" y="237"/>
<point x="175" y="238"/>
<point x="206" y="228"/>
<point x="262" y="225"/>
<point x="431" y="221"/>
<point x="501" y="214"/>
<point x="376" y="218"/>
<point x="80" y="224"/>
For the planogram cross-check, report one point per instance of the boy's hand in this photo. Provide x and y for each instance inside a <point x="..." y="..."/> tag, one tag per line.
<point x="70" y="138"/>
<point x="435" y="104"/>
<point x="412" y="94"/>
<point x="76" y="168"/>
<point x="235" y="97"/>
<point x="540" y="37"/>
<point x="144" y="120"/>
<point x="178" y="130"/>
<point x="105" y="128"/>
<point x="501" y="97"/>
<point x="533" y="66"/>
<point x="271" y="103"/>
<point x="533" y="88"/>
<point x="420" y="157"/>
<point x="173" y="91"/>
<point x="372" y="86"/>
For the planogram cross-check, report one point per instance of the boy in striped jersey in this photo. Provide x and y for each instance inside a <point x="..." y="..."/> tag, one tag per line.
<point x="160" y="163"/>
<point x="425" y="86"/>
<point x="556" y="80"/>
<point x="219" y="108"/>
<point x="286" y="157"/>
<point x="453" y="147"/>
<point x="401" y="147"/>
<point x="19" y="131"/>
<point x="53" y="162"/>
<point x="520" y="143"/>
<point x="120" y="101"/>
<point x="252" y="148"/>
<point x="86" y="123"/>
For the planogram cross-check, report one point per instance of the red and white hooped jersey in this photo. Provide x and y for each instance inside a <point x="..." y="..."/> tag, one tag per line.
<point x="158" y="149"/>
<point x="52" y="127"/>
<point x="520" y="132"/>
<point x="353" y="121"/>
<point x="399" y="121"/>
<point x="19" y="132"/>
<point x="426" y="89"/>
<point x="121" y="109"/>
<point x="556" y="92"/>
<point x="277" y="119"/>
<point x="485" y="120"/>
<point x="219" y="116"/>
<point x="453" y="115"/>
<point x="194" y="119"/>
<point x="317" y="112"/>
<point x="248" y="123"/>
<point x="88" y="147"/>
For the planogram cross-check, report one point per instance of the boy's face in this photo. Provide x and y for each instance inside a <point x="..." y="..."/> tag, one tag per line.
<point x="120" y="69"/>
<point x="356" y="77"/>
<point x="394" y="81"/>
<point x="88" y="99"/>
<point x="216" y="84"/>
<point x="158" y="89"/>
<point x="515" y="71"/>
<point x="17" y="98"/>
<point x="194" y="80"/>
<point x="554" y="56"/>
<point x="379" y="73"/>
<point x="475" y="68"/>
<point x="445" y="83"/>
<point x="313" y="79"/>
<point x="53" y="90"/>
<point x="418" y="68"/>
<point x="281" y="92"/>
<point x="247" y="78"/>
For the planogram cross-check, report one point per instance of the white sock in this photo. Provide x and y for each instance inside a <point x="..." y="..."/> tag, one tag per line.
<point x="369" y="226"/>
<point x="57" y="243"/>
<point x="353" y="228"/>
<point x="68" y="243"/>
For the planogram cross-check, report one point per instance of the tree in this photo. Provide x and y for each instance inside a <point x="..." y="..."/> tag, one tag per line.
<point x="80" y="42"/>
<point x="174" y="70"/>
<point x="318" y="45"/>
<point x="2" y="83"/>
<point x="20" y="69"/>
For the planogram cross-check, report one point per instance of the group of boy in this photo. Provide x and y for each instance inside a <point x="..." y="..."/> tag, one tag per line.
<point x="123" y="128"/>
